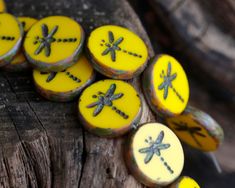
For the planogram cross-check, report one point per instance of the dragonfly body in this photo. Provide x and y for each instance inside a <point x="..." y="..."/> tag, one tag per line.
<point x="106" y="99"/>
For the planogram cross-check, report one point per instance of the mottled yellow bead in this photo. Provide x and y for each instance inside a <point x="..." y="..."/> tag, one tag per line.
<point x="54" y="43"/>
<point x="117" y="52"/>
<point x="11" y="33"/>
<point x="197" y="129"/>
<point x="154" y="155"/>
<point x="166" y="86"/>
<point x="109" y="108"/>
<point x="19" y="62"/>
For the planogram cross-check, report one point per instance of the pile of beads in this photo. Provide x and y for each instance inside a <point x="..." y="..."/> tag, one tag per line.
<point x="53" y="46"/>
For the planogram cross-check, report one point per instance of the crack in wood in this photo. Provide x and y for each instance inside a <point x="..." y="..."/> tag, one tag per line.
<point x="84" y="156"/>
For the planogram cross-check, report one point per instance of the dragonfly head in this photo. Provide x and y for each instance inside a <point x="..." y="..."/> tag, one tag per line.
<point x="149" y="140"/>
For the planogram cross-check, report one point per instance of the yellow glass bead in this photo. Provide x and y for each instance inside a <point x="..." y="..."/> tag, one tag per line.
<point x="19" y="62"/>
<point x="27" y="22"/>
<point x="11" y="33"/>
<point x="65" y="85"/>
<point x="154" y="155"/>
<point x="166" y="86"/>
<point x="197" y="129"/>
<point x="2" y="6"/>
<point x="185" y="182"/>
<point x="117" y="52"/>
<point x="109" y="108"/>
<point x="54" y="43"/>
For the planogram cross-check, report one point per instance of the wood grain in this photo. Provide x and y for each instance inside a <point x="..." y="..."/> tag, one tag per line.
<point x="42" y="143"/>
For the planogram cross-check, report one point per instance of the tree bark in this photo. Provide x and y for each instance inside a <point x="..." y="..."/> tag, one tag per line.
<point x="42" y="143"/>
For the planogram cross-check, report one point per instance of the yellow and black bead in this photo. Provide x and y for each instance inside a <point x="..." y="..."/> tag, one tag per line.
<point x="197" y="129"/>
<point x="165" y="86"/>
<point x="117" y="52"/>
<point x="11" y="34"/>
<point x="110" y="108"/>
<point x="54" y="43"/>
<point x="150" y="155"/>
<point x="19" y="62"/>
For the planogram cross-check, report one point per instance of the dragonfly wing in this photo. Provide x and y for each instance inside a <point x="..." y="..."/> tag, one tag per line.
<point x="98" y="109"/>
<point x="169" y="69"/>
<point x="164" y="146"/>
<point x="47" y="49"/>
<point x="106" y="51"/>
<point x="160" y="137"/>
<point x="165" y="91"/>
<point x="113" y="55"/>
<point x="51" y="76"/>
<point x="161" y="86"/>
<point x="39" y="49"/>
<point x="148" y="157"/>
<point x="111" y="90"/>
<point x="44" y="30"/>
<point x="173" y="76"/>
<point x="144" y="150"/>
<point x="53" y="31"/>
<point x="116" y="96"/>
<point x="111" y="37"/>
<point x="93" y="104"/>
<point x="200" y="134"/>
<point x="118" y="41"/>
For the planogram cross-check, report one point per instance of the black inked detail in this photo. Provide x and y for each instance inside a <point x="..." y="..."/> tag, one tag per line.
<point x="107" y="100"/>
<point x="48" y="38"/>
<point x="155" y="147"/>
<point x="113" y="46"/>
<point x="182" y="126"/>
<point x="9" y="38"/>
<point x="167" y="83"/>
<point x="71" y="76"/>
<point x="52" y="75"/>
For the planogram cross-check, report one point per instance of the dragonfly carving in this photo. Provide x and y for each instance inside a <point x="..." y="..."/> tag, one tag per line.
<point x="46" y="40"/>
<point x="106" y="100"/>
<point x="112" y="46"/>
<point x="193" y="131"/>
<point x="154" y="148"/>
<point x="168" y="78"/>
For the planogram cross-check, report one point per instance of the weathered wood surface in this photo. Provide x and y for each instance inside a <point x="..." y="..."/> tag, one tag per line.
<point x="42" y="143"/>
<point x="203" y="33"/>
